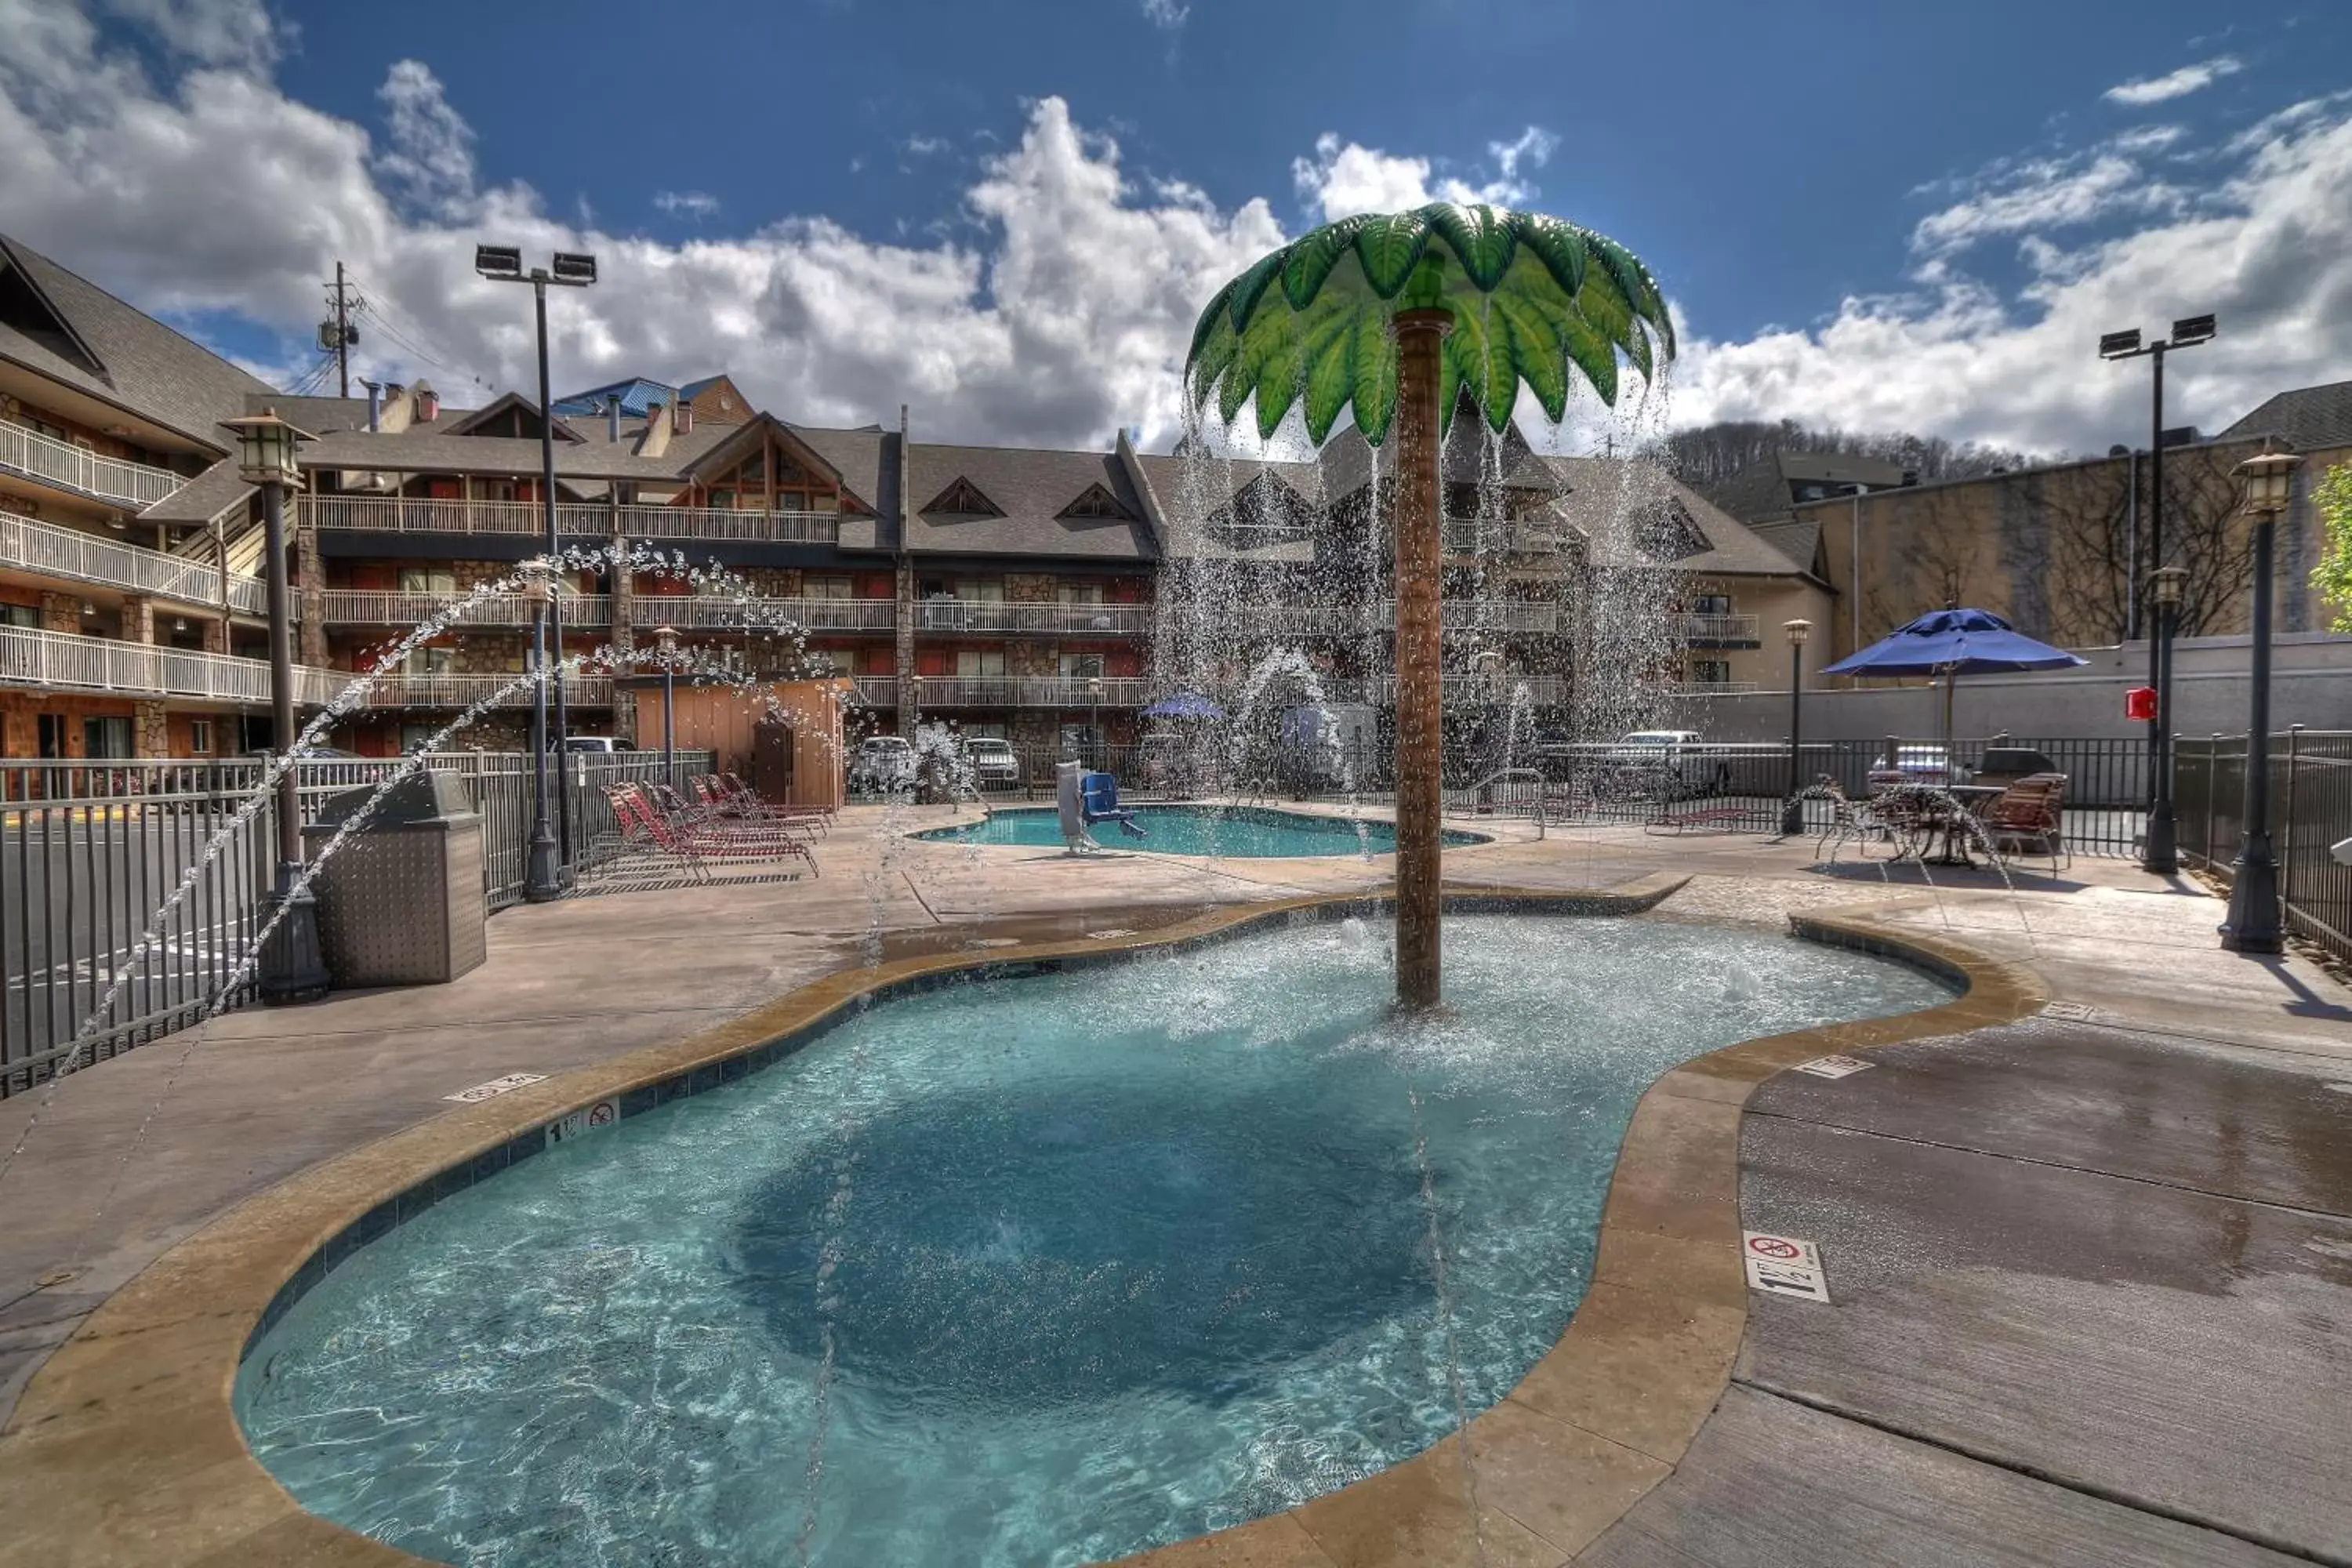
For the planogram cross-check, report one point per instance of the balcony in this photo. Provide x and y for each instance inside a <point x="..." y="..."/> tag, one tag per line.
<point x="69" y="553"/>
<point x="1715" y="688"/>
<point x="573" y="520"/>
<point x="1500" y="690"/>
<point x="1500" y="616"/>
<point x="718" y="612"/>
<point x="61" y="464"/>
<point x="1035" y="618"/>
<point x="1721" y="631"/>
<point x="1008" y="691"/>
<point x="64" y="661"/>
<point x="373" y="608"/>
<point x="402" y="689"/>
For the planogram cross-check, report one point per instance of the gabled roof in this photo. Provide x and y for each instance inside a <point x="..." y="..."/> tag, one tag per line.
<point x="1472" y="457"/>
<point x="1197" y="499"/>
<point x="2309" y="419"/>
<point x="106" y="350"/>
<point x="1033" y="489"/>
<point x="1600" y="497"/>
<point x="1096" y="501"/>
<point x="637" y="394"/>
<point x="497" y="409"/>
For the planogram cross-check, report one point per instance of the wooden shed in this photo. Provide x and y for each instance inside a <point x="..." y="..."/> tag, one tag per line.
<point x="783" y="738"/>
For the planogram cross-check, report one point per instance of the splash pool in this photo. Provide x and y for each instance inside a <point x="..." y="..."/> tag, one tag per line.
<point x="1040" y="1270"/>
<point x="1235" y="832"/>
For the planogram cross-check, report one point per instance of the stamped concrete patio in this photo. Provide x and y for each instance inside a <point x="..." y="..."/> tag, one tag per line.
<point x="2091" y="1274"/>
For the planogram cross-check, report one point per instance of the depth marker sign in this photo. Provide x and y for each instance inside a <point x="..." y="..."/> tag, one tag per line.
<point x="604" y="1113"/>
<point x="1834" y="1067"/>
<point x="1783" y="1265"/>
<point x="495" y="1088"/>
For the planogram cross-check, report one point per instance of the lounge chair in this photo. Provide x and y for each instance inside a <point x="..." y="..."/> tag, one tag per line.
<point x="2029" y="818"/>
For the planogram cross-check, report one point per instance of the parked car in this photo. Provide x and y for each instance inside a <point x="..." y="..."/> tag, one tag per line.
<point x="599" y="744"/>
<point x="1929" y="766"/>
<point x="882" y="762"/>
<point x="1668" y="763"/>
<point x="994" y="765"/>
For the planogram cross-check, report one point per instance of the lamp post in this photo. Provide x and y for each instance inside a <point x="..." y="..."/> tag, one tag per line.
<point x="2186" y="332"/>
<point x="570" y="269"/>
<point x="291" y="967"/>
<point x="2253" y="922"/>
<point x="2160" y="846"/>
<point x="665" y="638"/>
<point x="914" y="702"/>
<point x="1793" y="812"/>
<point x="1094" y="719"/>
<point x="542" y="878"/>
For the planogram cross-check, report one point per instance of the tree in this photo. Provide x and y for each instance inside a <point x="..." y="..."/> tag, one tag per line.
<point x="1395" y="316"/>
<point x="2333" y="575"/>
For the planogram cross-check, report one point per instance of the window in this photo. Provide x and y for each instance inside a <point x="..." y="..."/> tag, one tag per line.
<point x="1081" y="593"/>
<point x="106" y="738"/>
<point x="1081" y="666"/>
<point x="416" y="737"/>
<point x="791" y="501"/>
<point x="439" y="581"/>
<point x="1096" y="502"/>
<point x="200" y="737"/>
<point x="981" y="664"/>
<point x="19" y="616"/>
<point x="1710" y="672"/>
<point x="981" y="590"/>
<point x="964" y="499"/>
<point x="826" y="588"/>
<point x="1711" y="604"/>
<point x="53" y="735"/>
<point x="431" y="661"/>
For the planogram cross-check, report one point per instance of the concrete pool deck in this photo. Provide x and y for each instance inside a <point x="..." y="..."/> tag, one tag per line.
<point x="2102" y="1207"/>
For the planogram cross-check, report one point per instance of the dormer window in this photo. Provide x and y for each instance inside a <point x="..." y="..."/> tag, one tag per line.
<point x="964" y="499"/>
<point x="1096" y="501"/>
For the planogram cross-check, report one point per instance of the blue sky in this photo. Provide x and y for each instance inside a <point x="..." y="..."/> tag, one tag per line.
<point x="1867" y="213"/>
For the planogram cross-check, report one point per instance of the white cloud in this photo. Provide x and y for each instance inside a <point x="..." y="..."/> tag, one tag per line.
<point x="696" y="205"/>
<point x="2041" y="195"/>
<point x="1346" y="178"/>
<point x="2268" y="249"/>
<point x="2175" y="84"/>
<point x="1167" y="14"/>
<point x="430" y="158"/>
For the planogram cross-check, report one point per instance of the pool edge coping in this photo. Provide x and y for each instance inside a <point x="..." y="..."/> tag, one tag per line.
<point x="124" y="1446"/>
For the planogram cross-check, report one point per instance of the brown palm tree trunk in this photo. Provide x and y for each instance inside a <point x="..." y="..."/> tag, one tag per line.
<point x="1419" y="689"/>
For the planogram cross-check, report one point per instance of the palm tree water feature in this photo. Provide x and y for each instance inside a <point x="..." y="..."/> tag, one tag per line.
<point x="1402" y="318"/>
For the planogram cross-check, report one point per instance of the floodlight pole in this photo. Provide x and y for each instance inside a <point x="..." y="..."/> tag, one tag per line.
<point x="2253" y="924"/>
<point x="1420" y="688"/>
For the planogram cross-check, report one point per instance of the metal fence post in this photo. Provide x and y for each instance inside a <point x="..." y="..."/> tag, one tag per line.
<point x="2287" y="823"/>
<point x="2212" y="770"/>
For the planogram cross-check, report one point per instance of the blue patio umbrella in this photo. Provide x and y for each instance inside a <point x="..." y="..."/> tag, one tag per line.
<point x="1184" y="705"/>
<point x="1950" y="644"/>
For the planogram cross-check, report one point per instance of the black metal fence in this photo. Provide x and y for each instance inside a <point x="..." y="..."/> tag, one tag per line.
<point x="2310" y="812"/>
<point x="1731" y="788"/>
<point x="90" y="853"/>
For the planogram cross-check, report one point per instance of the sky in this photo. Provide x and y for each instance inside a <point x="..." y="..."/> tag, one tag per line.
<point x="1008" y="215"/>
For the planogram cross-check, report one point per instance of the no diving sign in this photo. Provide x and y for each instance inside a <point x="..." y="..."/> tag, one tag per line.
<point x="604" y="1113"/>
<point x="1783" y="1265"/>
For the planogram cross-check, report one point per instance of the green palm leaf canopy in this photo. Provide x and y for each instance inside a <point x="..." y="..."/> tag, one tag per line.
<point x="1531" y="297"/>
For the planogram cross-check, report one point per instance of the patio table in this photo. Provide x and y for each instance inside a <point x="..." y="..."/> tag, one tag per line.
<point x="1938" y="822"/>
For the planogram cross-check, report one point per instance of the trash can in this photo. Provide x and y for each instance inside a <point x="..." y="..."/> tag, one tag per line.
<point x="401" y="902"/>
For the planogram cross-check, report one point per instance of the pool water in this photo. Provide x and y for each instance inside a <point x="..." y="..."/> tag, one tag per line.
<point x="1238" y="832"/>
<point x="1043" y="1270"/>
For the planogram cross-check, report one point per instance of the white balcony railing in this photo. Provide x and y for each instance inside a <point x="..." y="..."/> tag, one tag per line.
<point x="67" y="661"/>
<point x="1497" y="615"/>
<point x="1714" y="687"/>
<point x="378" y="608"/>
<point x="718" y="612"/>
<point x="1045" y="618"/>
<point x="1064" y="692"/>
<point x="1719" y="628"/>
<point x="1498" y="689"/>
<point x="573" y="520"/>
<point x="403" y="690"/>
<point x="54" y="552"/>
<point x="77" y="469"/>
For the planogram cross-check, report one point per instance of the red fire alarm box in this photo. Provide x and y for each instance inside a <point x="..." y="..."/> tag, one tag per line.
<point x="2139" y="705"/>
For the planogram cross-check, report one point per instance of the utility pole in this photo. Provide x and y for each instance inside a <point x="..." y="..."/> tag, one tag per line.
<point x="336" y="332"/>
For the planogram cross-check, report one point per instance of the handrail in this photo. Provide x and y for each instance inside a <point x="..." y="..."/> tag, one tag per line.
<point x="404" y="607"/>
<point x="719" y="611"/>
<point x="45" y="547"/>
<point x="68" y="661"/>
<point x="573" y="520"/>
<point x="946" y="614"/>
<point x="1456" y="800"/>
<point x="62" y="463"/>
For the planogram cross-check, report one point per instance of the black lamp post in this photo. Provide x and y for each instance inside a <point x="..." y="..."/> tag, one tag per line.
<point x="2160" y="848"/>
<point x="542" y="876"/>
<point x="2253" y="922"/>
<point x="1792" y="814"/>
<point x="2186" y="332"/>
<point x="914" y="702"/>
<point x="570" y="269"/>
<point x="291" y="967"/>
<point x="665" y="638"/>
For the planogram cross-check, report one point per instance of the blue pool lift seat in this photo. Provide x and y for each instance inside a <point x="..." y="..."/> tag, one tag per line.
<point x="1086" y="798"/>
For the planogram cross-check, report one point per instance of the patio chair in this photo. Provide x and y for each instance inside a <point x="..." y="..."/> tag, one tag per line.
<point x="2029" y="818"/>
<point x="1850" y="819"/>
<point x="642" y="834"/>
<point x="676" y="828"/>
<point x="729" y="796"/>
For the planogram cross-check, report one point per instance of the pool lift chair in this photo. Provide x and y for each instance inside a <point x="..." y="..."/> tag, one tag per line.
<point x="1085" y="799"/>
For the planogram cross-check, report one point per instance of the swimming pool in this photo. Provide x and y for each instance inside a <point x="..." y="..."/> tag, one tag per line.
<point x="1041" y="1271"/>
<point x="1238" y="832"/>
